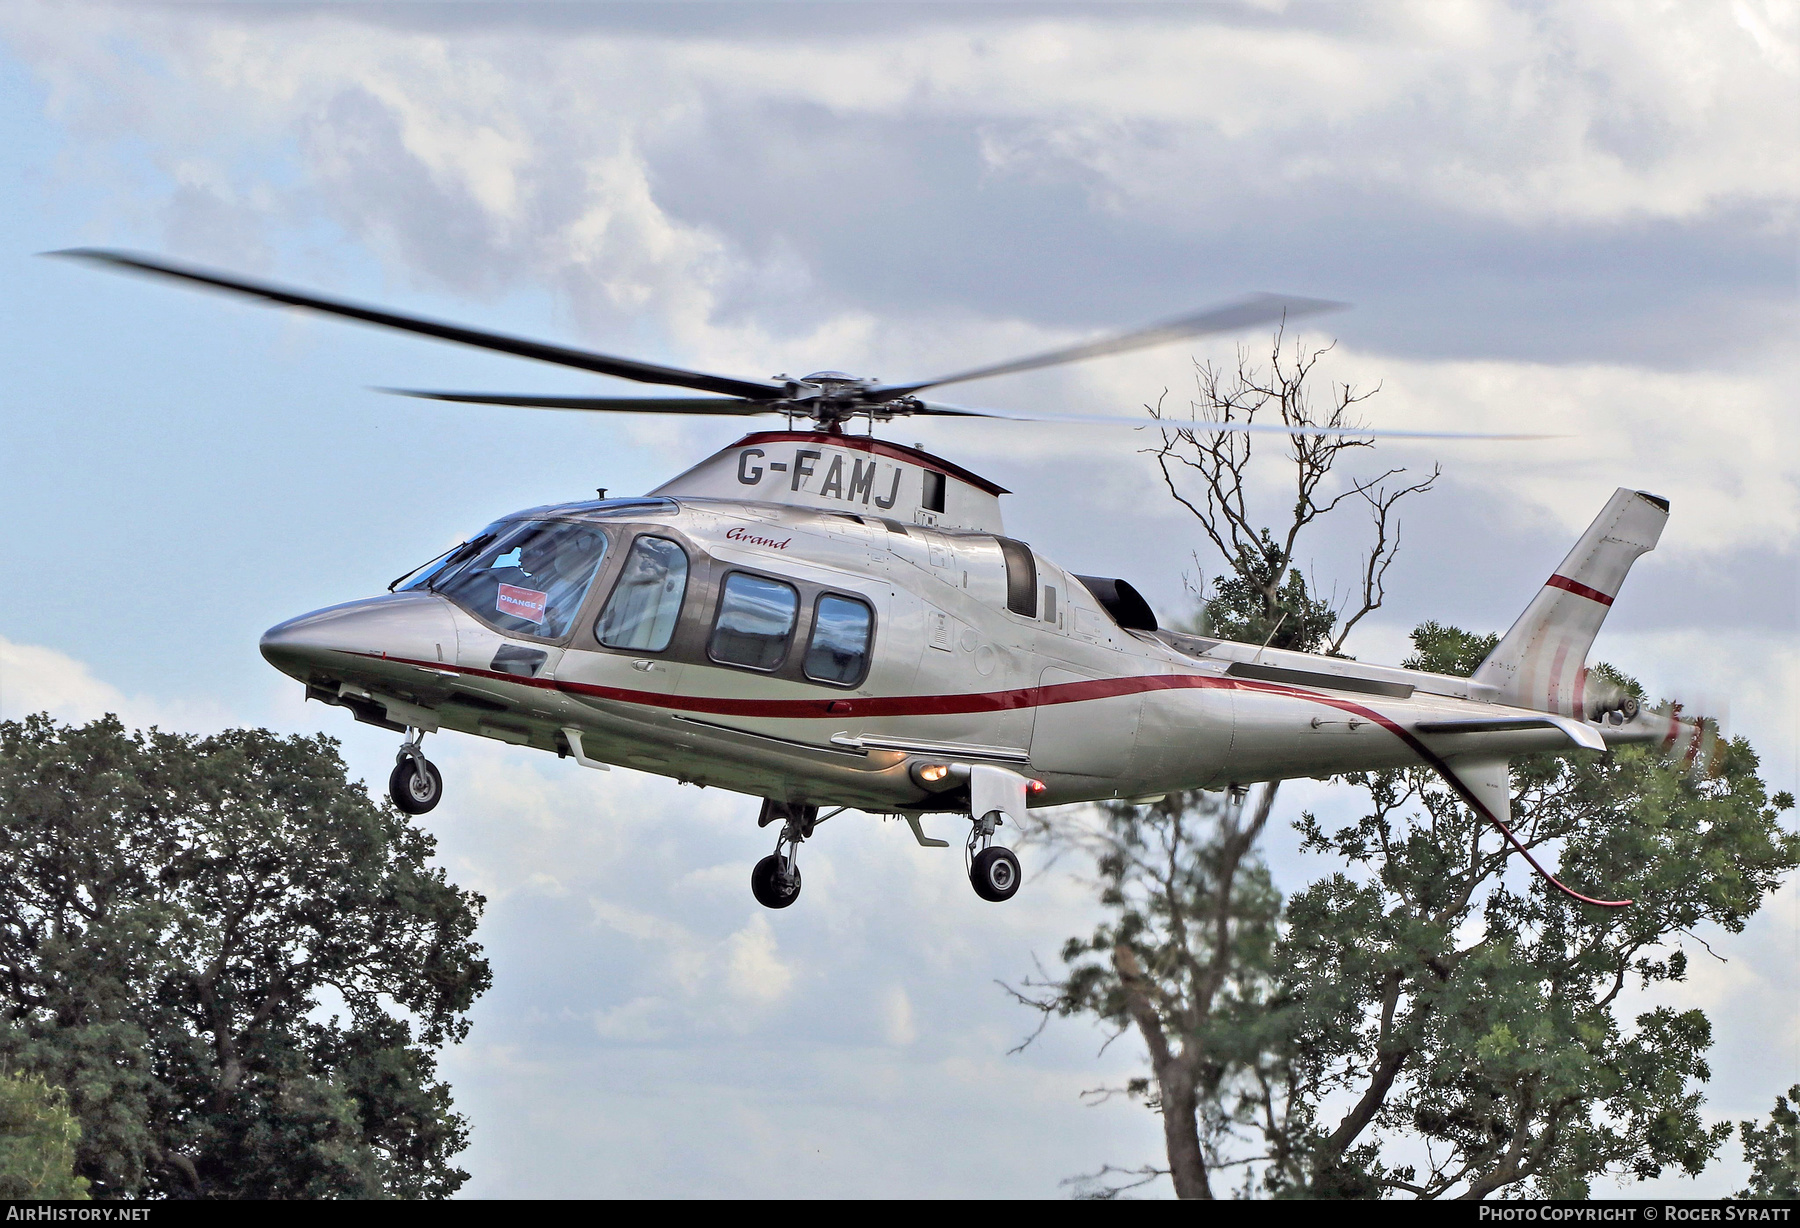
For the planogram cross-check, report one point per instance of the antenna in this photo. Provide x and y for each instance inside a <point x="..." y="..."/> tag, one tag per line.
<point x="1272" y="631"/>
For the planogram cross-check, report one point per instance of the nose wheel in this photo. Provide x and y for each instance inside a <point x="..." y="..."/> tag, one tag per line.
<point x="415" y="785"/>
<point x="993" y="870"/>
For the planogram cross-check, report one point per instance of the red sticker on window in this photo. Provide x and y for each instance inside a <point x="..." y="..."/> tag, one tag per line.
<point x="526" y="603"/>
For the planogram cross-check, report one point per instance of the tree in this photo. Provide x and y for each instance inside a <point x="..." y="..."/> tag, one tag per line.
<point x="1265" y="599"/>
<point x="1186" y="958"/>
<point x="1440" y="1002"/>
<point x="1455" y="1009"/>
<point x="1416" y="999"/>
<point x="37" y="1141"/>
<point x="1774" y="1151"/>
<point x="239" y="966"/>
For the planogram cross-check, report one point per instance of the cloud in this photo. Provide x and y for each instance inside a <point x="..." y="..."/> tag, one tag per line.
<point x="482" y="159"/>
<point x="754" y="971"/>
<point x="34" y="678"/>
<point x="1719" y="443"/>
<point x="901" y="1028"/>
<point x="688" y="972"/>
<point x="486" y="158"/>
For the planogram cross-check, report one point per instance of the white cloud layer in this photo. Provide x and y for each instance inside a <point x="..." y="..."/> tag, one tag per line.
<point x="512" y="156"/>
<point x="38" y="679"/>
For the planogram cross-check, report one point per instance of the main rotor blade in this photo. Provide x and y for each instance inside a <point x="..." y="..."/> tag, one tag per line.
<point x="732" y="406"/>
<point x="1203" y="427"/>
<point x="586" y="360"/>
<point x="1256" y="309"/>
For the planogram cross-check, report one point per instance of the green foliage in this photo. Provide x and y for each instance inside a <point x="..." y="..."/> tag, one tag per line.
<point x="38" y="1135"/>
<point x="1255" y="604"/>
<point x="1491" y="1001"/>
<point x="180" y="917"/>
<point x="1444" y="995"/>
<point x="1774" y="1151"/>
<point x="1427" y="996"/>
<point x="1449" y="650"/>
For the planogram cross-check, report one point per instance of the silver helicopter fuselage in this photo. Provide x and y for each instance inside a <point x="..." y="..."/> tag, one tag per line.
<point x="963" y="647"/>
<point x="820" y="619"/>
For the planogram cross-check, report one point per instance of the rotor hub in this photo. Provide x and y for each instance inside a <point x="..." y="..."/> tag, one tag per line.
<point x="831" y="398"/>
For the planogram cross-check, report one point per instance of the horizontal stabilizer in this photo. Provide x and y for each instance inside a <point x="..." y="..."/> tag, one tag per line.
<point x="1579" y="732"/>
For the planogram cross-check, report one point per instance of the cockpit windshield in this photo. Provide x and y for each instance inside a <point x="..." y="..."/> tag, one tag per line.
<point x="528" y="577"/>
<point x="424" y="575"/>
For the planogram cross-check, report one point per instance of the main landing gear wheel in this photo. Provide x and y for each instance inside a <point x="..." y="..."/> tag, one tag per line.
<point x="995" y="874"/>
<point x="415" y="791"/>
<point x="775" y="882"/>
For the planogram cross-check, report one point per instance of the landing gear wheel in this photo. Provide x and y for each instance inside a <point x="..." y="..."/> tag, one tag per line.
<point x="412" y="790"/>
<point x="775" y="882"/>
<point x="995" y="874"/>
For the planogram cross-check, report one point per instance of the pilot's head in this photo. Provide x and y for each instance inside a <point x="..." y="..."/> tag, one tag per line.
<point x="538" y="553"/>
<point x="573" y="552"/>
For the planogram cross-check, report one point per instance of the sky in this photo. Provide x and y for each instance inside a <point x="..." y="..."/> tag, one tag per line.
<point x="1576" y="220"/>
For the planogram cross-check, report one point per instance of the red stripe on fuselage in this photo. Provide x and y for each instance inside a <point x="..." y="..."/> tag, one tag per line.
<point x="1474" y="803"/>
<point x="1578" y="588"/>
<point x="1001" y="701"/>
<point x="840" y="706"/>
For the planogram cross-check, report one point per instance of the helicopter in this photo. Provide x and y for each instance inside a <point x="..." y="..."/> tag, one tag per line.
<point x="830" y="621"/>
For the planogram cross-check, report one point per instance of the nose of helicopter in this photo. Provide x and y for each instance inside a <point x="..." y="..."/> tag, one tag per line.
<point x="403" y="626"/>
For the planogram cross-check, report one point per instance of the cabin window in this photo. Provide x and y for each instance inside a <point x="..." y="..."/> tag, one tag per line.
<point x="530" y="578"/>
<point x="646" y="602"/>
<point x="1049" y="604"/>
<point x="1021" y="577"/>
<point x="756" y="617"/>
<point x="839" y="649"/>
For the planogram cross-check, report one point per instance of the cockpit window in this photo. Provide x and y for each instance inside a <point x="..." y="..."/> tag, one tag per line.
<point x="427" y="575"/>
<point x="530" y="578"/>
<point x="646" y="601"/>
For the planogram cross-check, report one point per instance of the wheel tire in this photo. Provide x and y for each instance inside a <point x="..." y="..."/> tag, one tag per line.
<point x="413" y="793"/>
<point x="766" y="884"/>
<point x="995" y="874"/>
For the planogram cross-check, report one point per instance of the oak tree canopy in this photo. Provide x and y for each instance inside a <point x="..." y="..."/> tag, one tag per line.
<point x="238" y="965"/>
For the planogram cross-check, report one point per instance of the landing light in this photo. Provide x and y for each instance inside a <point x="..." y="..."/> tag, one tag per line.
<point x="939" y="777"/>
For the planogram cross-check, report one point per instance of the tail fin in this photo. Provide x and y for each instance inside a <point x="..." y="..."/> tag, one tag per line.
<point x="1542" y="661"/>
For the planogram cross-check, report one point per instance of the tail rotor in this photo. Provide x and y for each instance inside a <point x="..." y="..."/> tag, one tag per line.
<point x="1694" y="736"/>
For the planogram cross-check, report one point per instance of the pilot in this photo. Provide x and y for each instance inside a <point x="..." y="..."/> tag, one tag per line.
<point x="554" y="563"/>
<point x="544" y="558"/>
<point x="574" y="554"/>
